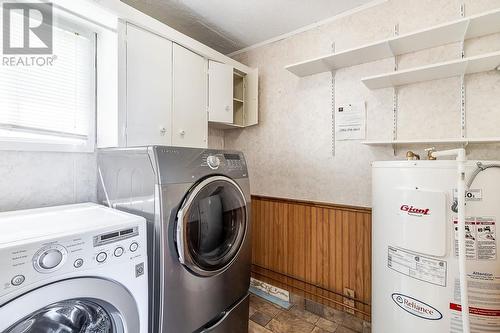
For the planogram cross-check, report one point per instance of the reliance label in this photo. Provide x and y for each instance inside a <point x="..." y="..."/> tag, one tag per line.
<point x="415" y="307"/>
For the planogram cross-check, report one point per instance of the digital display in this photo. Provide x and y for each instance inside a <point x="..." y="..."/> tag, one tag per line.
<point x="125" y="232"/>
<point x="232" y="157"/>
<point x="115" y="236"/>
<point x="111" y="235"/>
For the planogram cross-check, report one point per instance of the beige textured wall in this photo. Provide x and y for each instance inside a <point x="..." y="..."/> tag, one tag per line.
<point x="289" y="152"/>
<point x="215" y="138"/>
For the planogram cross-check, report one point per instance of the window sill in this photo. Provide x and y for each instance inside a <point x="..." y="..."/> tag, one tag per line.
<point x="45" y="146"/>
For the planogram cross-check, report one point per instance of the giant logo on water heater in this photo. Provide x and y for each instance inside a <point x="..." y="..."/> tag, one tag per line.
<point x="415" y="211"/>
<point x="415" y="307"/>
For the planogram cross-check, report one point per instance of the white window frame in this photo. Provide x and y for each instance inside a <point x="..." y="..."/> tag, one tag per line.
<point x="67" y="21"/>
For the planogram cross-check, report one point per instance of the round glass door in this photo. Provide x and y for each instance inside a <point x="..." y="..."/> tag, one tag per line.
<point x="78" y="305"/>
<point x="211" y="225"/>
<point x="72" y="316"/>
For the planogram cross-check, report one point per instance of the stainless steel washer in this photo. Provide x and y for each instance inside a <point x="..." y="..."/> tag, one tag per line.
<point x="197" y="203"/>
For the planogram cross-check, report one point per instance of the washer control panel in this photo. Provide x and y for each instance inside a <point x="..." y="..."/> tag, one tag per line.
<point x="26" y="264"/>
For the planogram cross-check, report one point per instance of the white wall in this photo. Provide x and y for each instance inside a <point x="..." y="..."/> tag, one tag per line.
<point x="38" y="179"/>
<point x="289" y="152"/>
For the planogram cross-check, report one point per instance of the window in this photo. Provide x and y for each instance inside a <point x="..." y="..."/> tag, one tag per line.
<point x="50" y="106"/>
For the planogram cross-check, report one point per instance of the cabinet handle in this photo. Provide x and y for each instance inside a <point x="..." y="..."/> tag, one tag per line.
<point x="163" y="131"/>
<point x="182" y="132"/>
<point x="228" y="108"/>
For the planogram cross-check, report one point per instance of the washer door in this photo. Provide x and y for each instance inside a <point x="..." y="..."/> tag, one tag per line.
<point x="211" y="225"/>
<point x="83" y="305"/>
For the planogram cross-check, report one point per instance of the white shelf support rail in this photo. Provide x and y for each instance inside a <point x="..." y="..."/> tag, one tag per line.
<point x="463" y="129"/>
<point x="463" y="119"/>
<point x="332" y="82"/>
<point x="395" y="102"/>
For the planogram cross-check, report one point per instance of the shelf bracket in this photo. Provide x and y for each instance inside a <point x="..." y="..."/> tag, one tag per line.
<point x="332" y="86"/>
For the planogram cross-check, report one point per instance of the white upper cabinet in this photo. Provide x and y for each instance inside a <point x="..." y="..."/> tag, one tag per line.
<point x="220" y="92"/>
<point x="148" y="88"/>
<point x="189" y="117"/>
<point x="168" y="94"/>
<point x="232" y="96"/>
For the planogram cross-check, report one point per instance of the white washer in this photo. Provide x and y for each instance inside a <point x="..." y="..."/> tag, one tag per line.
<point x="75" y="268"/>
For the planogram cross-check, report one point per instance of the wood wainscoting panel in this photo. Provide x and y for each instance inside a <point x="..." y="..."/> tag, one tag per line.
<point x="314" y="249"/>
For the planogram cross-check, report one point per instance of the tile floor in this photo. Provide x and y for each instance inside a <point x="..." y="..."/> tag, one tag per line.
<point x="266" y="317"/>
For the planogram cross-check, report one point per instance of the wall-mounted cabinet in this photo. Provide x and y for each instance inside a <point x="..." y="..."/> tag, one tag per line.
<point x="168" y="94"/>
<point x="163" y="96"/>
<point x="189" y="116"/>
<point x="147" y="78"/>
<point x="232" y="101"/>
<point x="220" y="93"/>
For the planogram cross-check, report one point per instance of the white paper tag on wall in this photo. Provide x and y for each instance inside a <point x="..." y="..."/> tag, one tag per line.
<point x="350" y="121"/>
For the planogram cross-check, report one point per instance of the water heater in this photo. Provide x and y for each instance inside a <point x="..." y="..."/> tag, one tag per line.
<point x="416" y="286"/>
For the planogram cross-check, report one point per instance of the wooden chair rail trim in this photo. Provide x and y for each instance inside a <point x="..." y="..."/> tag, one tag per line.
<point x="317" y="204"/>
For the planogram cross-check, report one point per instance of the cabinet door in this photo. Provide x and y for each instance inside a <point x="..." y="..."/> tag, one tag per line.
<point x="149" y="88"/>
<point x="220" y="92"/>
<point x="252" y="98"/>
<point x="190" y="119"/>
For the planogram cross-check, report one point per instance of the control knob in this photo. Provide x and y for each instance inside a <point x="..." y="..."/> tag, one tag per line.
<point x="49" y="258"/>
<point x="213" y="162"/>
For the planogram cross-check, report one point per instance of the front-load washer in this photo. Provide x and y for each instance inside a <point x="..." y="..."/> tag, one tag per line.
<point x="76" y="268"/>
<point x="197" y="203"/>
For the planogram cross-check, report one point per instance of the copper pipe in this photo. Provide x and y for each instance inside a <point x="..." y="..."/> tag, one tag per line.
<point x="316" y="286"/>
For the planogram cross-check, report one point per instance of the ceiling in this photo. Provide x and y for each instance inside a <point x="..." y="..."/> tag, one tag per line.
<point x="231" y="25"/>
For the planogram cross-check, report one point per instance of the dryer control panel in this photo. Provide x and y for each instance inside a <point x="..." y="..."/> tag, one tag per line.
<point x="183" y="165"/>
<point x="228" y="163"/>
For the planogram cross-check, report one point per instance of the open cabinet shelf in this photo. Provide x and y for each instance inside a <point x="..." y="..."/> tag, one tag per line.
<point x="431" y="141"/>
<point x="455" y="31"/>
<point x="476" y="64"/>
<point x="233" y="99"/>
<point x="224" y="126"/>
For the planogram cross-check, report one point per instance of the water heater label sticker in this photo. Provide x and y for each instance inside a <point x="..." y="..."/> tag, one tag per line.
<point x="487" y="320"/>
<point x="484" y="308"/>
<point x="470" y="195"/>
<point x="416" y="266"/>
<point x="480" y="238"/>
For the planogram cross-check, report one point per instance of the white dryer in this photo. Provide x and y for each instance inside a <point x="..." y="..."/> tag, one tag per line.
<point x="76" y="268"/>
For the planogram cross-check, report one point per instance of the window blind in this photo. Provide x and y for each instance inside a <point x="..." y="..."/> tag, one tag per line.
<point x="53" y="101"/>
